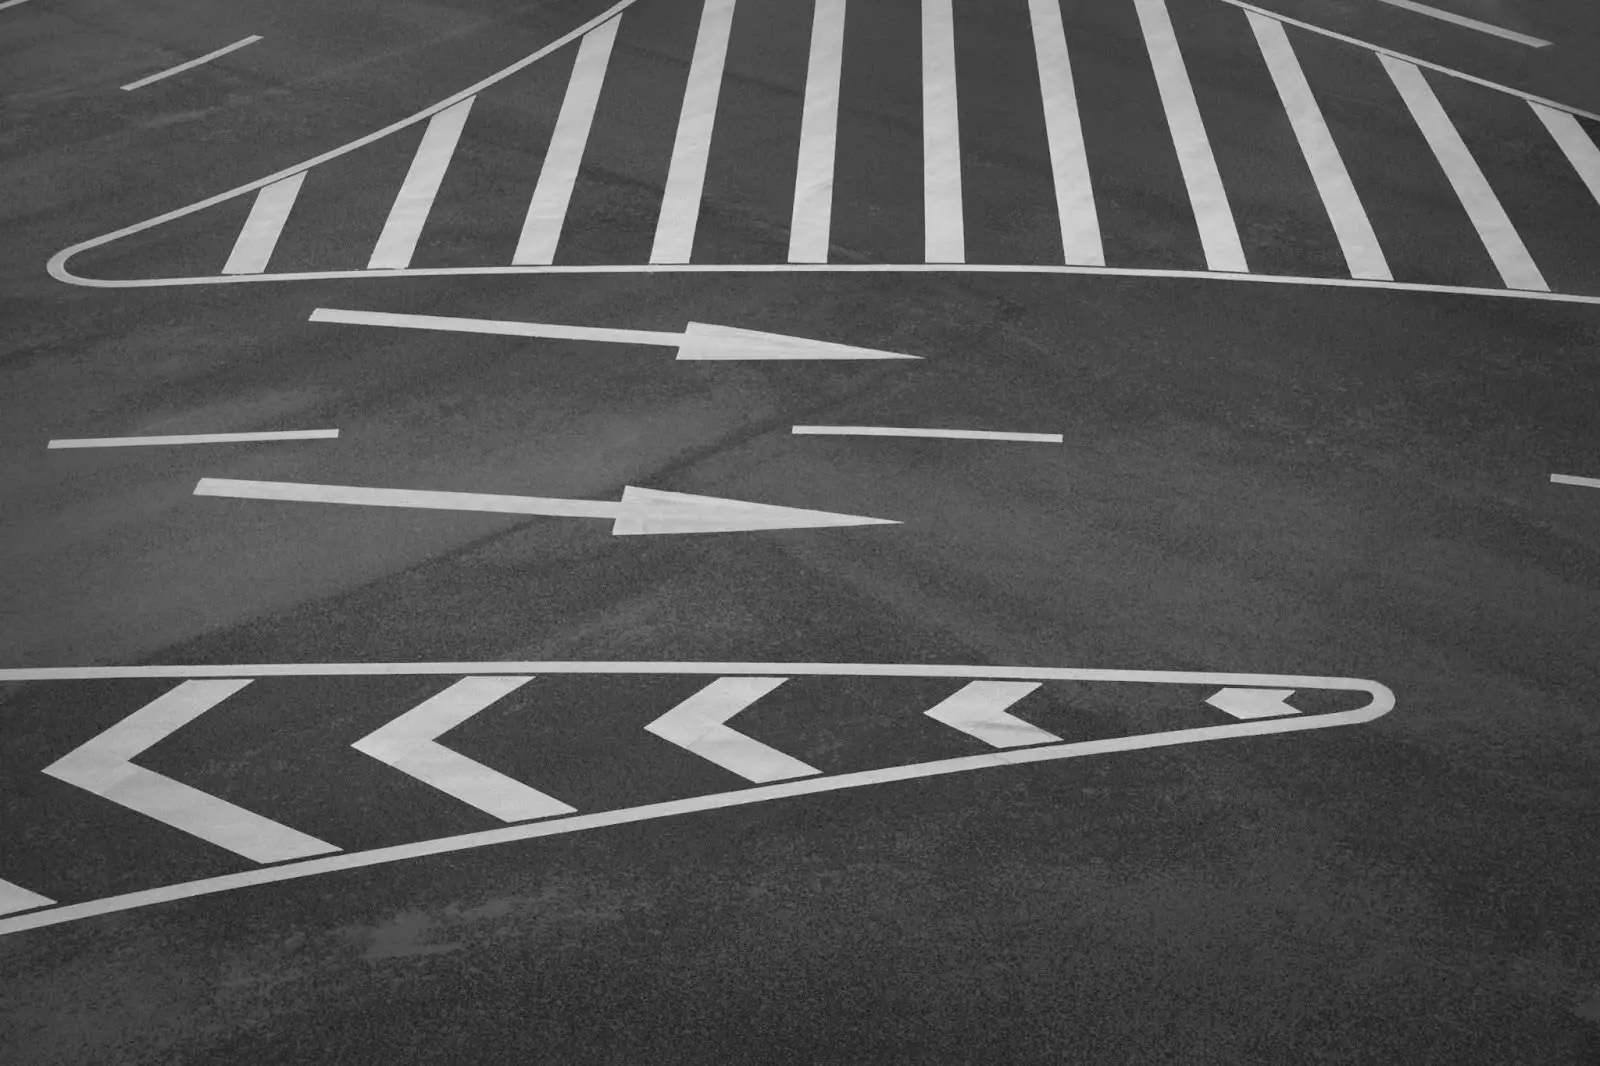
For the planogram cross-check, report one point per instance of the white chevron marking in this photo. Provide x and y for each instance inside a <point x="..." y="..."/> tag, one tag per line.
<point x="697" y="725"/>
<point x="1253" y="702"/>
<point x="979" y="710"/>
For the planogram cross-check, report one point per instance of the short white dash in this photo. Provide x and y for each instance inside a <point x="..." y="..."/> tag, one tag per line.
<point x="1469" y="23"/>
<point x="193" y="438"/>
<point x="950" y="434"/>
<point x="1573" y="479"/>
<point x="181" y="67"/>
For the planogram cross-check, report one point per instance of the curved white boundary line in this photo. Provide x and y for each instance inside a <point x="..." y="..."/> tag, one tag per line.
<point x="1381" y="703"/>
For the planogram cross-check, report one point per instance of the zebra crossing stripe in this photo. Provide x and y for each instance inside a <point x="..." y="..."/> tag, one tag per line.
<point x="398" y="241"/>
<point x="686" y="174"/>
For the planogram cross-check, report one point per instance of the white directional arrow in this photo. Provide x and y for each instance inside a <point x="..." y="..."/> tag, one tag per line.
<point x="1253" y="702"/>
<point x="101" y="766"/>
<point x="979" y="710"/>
<point x="697" y="341"/>
<point x="14" y="898"/>
<point x="641" y="510"/>
<point x="697" y="724"/>
<point x="408" y="745"/>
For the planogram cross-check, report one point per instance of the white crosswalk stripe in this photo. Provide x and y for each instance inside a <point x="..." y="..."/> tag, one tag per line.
<point x="401" y="230"/>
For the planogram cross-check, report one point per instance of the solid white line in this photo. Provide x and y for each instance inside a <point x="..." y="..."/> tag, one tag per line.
<point x="1362" y="252"/>
<point x="686" y="174"/>
<point x="812" y="219"/>
<point x="193" y="438"/>
<point x="259" y="234"/>
<point x="408" y="744"/>
<point x="15" y="898"/>
<point x="943" y="223"/>
<point x="541" y="230"/>
<point x="1069" y="162"/>
<point x="298" y="492"/>
<point x="181" y="67"/>
<point x="499" y="328"/>
<point x="1575" y="144"/>
<point x="697" y="725"/>
<point x="11" y="3"/>
<point x="1499" y="236"/>
<point x="952" y="434"/>
<point x="403" y="227"/>
<point x="1573" y="479"/>
<point x="1218" y="234"/>
<point x="978" y="709"/>
<point x="1469" y="23"/>
<point x="1382" y="703"/>
<point x="102" y="765"/>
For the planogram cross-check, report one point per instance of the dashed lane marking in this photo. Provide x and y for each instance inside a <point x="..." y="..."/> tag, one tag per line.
<point x="191" y="64"/>
<point x="941" y="434"/>
<point x="1573" y="479"/>
<point x="192" y="438"/>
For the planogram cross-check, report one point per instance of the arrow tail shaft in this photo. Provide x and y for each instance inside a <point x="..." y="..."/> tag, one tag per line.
<point x="496" y="327"/>
<point x="441" y="501"/>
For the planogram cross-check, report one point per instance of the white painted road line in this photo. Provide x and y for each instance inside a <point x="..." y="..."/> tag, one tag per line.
<point x="686" y="173"/>
<point x="193" y="438"/>
<point x="1219" y="236"/>
<point x="409" y="745"/>
<point x="1249" y="703"/>
<point x="101" y="765"/>
<point x="812" y="220"/>
<point x="950" y="434"/>
<point x="191" y="64"/>
<point x="547" y="211"/>
<point x="1499" y="236"/>
<point x="1575" y="144"/>
<point x="697" y="725"/>
<point x="1573" y="479"/>
<point x="698" y="341"/>
<point x="1069" y="162"/>
<point x="1469" y="23"/>
<point x="641" y="512"/>
<point x="14" y="898"/>
<point x="10" y="3"/>
<point x="1362" y="252"/>
<point x="979" y="710"/>
<point x="259" y="235"/>
<point x="409" y="213"/>
<point x="944" y="227"/>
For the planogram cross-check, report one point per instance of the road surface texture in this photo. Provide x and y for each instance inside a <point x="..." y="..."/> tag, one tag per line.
<point x="594" y="655"/>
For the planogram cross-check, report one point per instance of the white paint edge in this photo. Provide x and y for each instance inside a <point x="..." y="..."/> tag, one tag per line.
<point x="191" y="64"/>
<point x="191" y="438"/>
<point x="1573" y="479"/>
<point x="951" y="434"/>
<point x="1382" y="702"/>
<point x="11" y="3"/>
<point x="1468" y="23"/>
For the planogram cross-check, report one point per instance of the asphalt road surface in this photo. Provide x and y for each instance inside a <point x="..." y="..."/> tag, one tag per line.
<point x="594" y="655"/>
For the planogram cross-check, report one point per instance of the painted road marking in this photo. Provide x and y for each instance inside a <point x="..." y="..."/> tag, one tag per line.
<point x="409" y="745"/>
<point x="1573" y="479"/>
<point x="1218" y="234"/>
<point x="1575" y="144"/>
<point x="1069" y="162"/>
<point x="951" y="434"/>
<point x="1469" y="23"/>
<point x="1380" y="702"/>
<point x="698" y="724"/>
<point x="401" y="230"/>
<point x="1362" y="252"/>
<point x="14" y="898"/>
<point x="979" y="710"/>
<point x="698" y="341"/>
<point x="191" y="64"/>
<point x="1253" y="702"/>
<point x="686" y="174"/>
<point x="102" y="766"/>
<point x="10" y="3"/>
<point x="641" y="512"/>
<point x="192" y="438"/>
<point x="547" y="211"/>
<point x="252" y="250"/>
<point x="1499" y="236"/>
<point x="944" y="229"/>
<point x="812" y="219"/>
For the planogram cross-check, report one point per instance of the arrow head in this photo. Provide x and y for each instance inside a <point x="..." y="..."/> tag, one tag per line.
<point x="701" y="341"/>
<point x="653" y="511"/>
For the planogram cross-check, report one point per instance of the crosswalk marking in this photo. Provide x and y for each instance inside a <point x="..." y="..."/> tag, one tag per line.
<point x="1499" y="236"/>
<point x="15" y="898"/>
<point x="944" y="227"/>
<point x="1218" y="235"/>
<point x="1574" y="143"/>
<point x="259" y="235"/>
<point x="978" y="709"/>
<point x="547" y="211"/>
<point x="1080" y="225"/>
<point x="1357" y="240"/>
<point x="401" y="230"/>
<point x="686" y="174"/>
<point x="819" y="126"/>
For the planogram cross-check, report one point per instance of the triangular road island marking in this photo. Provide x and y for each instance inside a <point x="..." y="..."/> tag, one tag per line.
<point x="1247" y="703"/>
